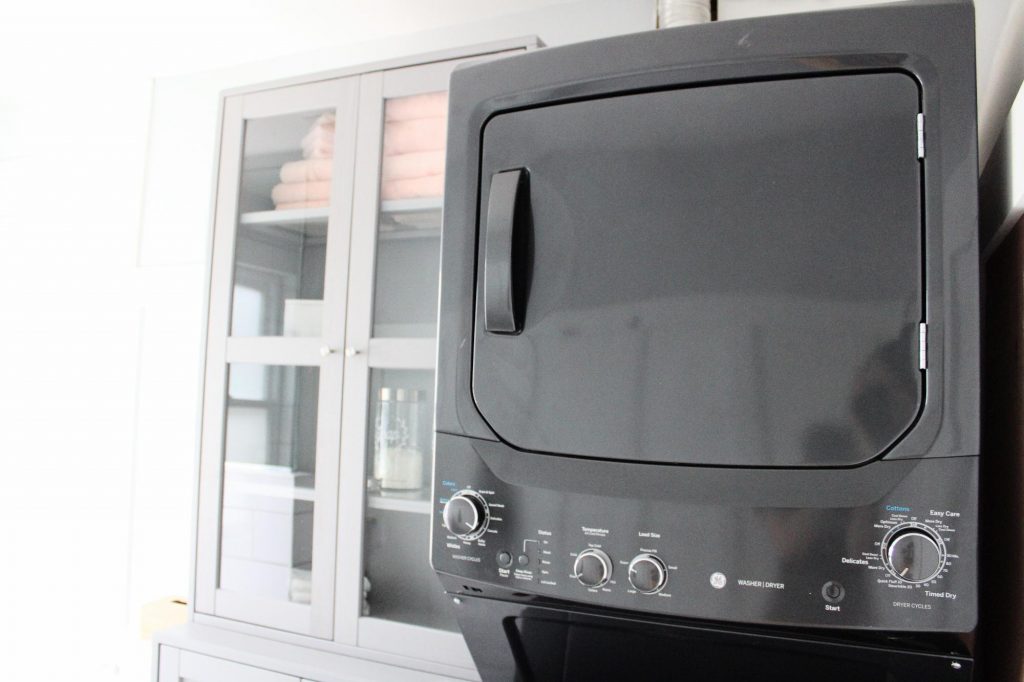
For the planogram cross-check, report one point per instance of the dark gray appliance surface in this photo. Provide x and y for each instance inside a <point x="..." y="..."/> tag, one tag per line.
<point x="725" y="275"/>
<point x="766" y="457"/>
<point x="777" y="538"/>
<point x="537" y="642"/>
<point x="927" y="42"/>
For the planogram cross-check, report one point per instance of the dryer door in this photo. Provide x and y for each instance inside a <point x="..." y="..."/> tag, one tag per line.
<point x="727" y="275"/>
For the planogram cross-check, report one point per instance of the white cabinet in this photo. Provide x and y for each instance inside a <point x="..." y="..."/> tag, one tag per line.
<point x="316" y="445"/>
<point x="199" y="653"/>
<point x="176" y="665"/>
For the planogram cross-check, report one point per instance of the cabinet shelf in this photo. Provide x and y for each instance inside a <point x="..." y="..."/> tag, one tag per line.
<point x="413" y="505"/>
<point x="400" y="206"/>
<point x="402" y="232"/>
<point x="300" y="220"/>
<point x="411" y="218"/>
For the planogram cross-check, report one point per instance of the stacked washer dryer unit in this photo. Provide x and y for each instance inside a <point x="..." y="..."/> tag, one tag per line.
<point x="707" y="400"/>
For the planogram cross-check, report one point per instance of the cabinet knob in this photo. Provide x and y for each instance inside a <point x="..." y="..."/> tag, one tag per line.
<point x="327" y="350"/>
<point x="352" y="352"/>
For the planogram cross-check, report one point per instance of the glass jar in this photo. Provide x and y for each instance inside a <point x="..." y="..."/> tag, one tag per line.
<point x="398" y="440"/>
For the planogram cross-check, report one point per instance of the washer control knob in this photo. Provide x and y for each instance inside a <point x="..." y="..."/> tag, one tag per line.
<point x="465" y="514"/>
<point x="647" y="573"/>
<point x="593" y="568"/>
<point x="913" y="555"/>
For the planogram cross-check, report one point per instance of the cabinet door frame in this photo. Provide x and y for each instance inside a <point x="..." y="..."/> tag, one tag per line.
<point x="351" y="627"/>
<point x="315" y="619"/>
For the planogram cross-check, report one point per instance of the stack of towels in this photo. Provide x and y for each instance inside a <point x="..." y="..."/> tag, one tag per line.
<point x="415" y="128"/>
<point x="307" y="183"/>
<point x="414" y="139"/>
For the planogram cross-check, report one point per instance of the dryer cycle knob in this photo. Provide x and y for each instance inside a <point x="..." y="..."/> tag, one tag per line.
<point x="647" y="573"/>
<point x="913" y="555"/>
<point x="466" y="515"/>
<point x="593" y="568"/>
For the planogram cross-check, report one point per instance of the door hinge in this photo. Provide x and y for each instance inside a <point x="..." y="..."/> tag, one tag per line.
<point x="922" y="341"/>
<point x="920" y="136"/>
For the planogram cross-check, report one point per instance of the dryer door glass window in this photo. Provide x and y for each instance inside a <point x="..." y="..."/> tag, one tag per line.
<point x="727" y="275"/>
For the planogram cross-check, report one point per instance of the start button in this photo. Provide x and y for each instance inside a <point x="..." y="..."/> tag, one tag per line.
<point x="833" y="592"/>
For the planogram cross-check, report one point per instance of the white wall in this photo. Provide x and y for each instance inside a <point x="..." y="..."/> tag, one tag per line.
<point x="70" y="190"/>
<point x="1000" y="66"/>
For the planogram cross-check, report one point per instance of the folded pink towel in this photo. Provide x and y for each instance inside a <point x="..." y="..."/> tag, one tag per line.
<point x="319" y="141"/>
<point x="292" y="192"/>
<point x="414" y="135"/>
<point x="305" y="170"/>
<point x="428" y="105"/>
<point x="316" y="203"/>
<point x="319" y="148"/>
<point x="427" y="186"/>
<point x="412" y="165"/>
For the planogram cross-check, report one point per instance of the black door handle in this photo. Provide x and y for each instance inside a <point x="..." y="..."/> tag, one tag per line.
<point x="499" y="230"/>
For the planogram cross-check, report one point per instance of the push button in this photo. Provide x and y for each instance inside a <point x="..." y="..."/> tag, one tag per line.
<point x="833" y="592"/>
<point x="504" y="559"/>
<point x="524" y="560"/>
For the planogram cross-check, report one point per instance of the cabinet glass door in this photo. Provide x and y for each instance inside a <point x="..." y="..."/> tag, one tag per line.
<point x="409" y="228"/>
<point x="280" y="245"/>
<point x="271" y="434"/>
<point x="391" y="600"/>
<point x="400" y="587"/>
<point x="399" y="451"/>
<point x="269" y="481"/>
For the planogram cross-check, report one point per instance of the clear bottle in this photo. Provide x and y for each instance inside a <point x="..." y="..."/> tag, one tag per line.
<point x="398" y="447"/>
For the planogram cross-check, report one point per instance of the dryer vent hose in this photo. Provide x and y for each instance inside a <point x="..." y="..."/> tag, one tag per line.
<point x="683" y="12"/>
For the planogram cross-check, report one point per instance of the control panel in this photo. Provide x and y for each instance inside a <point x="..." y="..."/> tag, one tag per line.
<point x="902" y="560"/>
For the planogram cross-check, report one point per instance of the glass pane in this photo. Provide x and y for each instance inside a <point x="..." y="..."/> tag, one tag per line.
<point x="399" y="583"/>
<point x="280" y="245"/>
<point x="411" y="189"/>
<point x="269" y="474"/>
